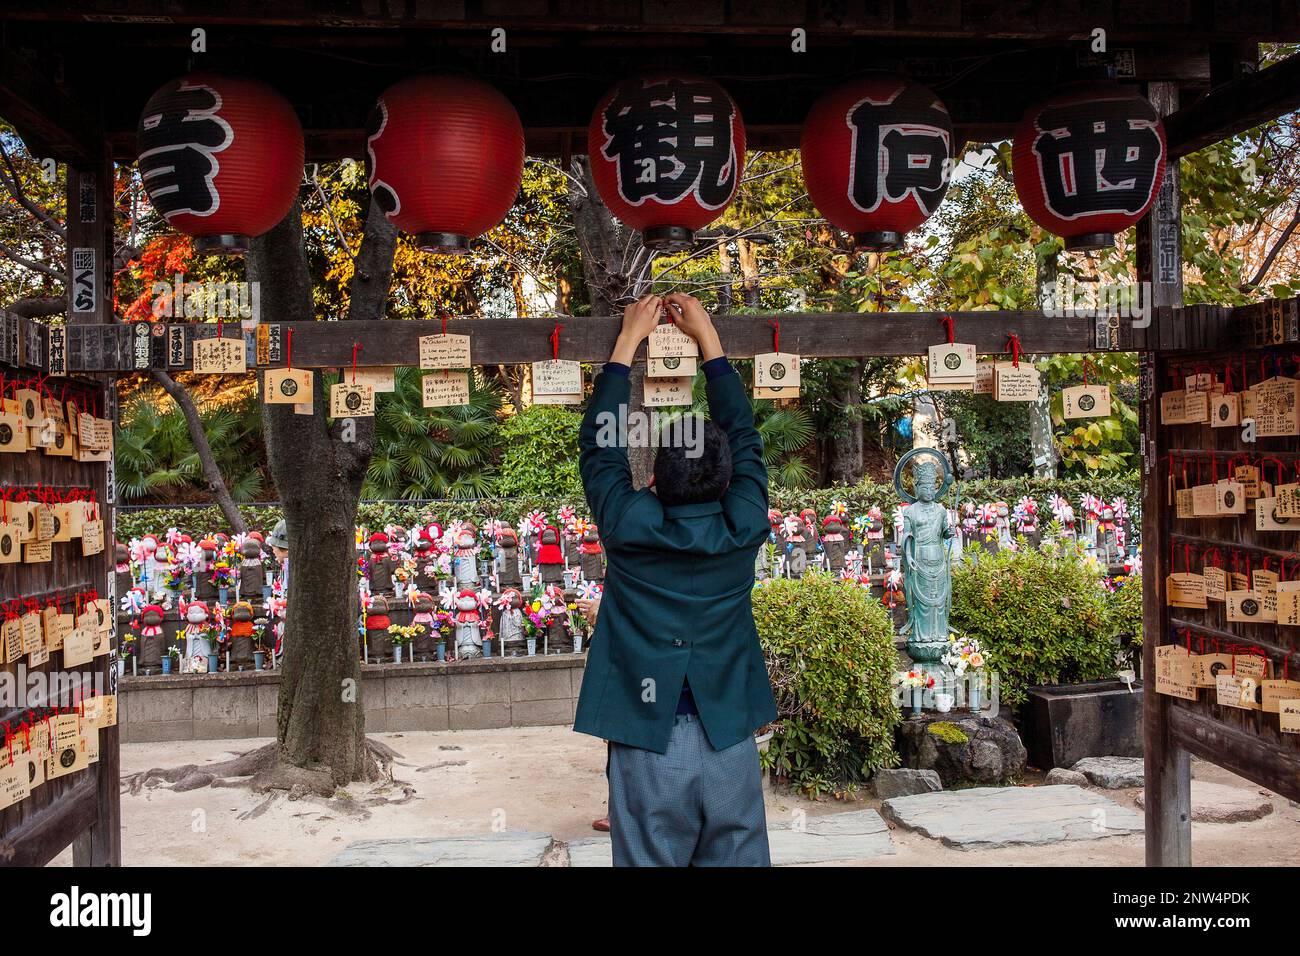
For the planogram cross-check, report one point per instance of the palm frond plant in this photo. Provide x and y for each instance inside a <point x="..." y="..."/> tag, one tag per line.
<point x="433" y="452"/>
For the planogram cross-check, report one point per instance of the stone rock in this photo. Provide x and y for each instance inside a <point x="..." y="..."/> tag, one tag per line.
<point x="834" y="838"/>
<point x="963" y="748"/>
<point x="904" y="782"/>
<point x="493" y="849"/>
<point x="1112" y="773"/>
<point x="990" y="817"/>
<point x="1217" y="803"/>
<point x="1060" y="777"/>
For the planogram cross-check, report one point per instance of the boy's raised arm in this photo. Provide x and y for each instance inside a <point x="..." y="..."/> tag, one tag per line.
<point x="729" y="408"/>
<point x="602" y="438"/>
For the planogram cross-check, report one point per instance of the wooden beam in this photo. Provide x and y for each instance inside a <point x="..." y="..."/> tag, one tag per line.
<point x="1168" y="766"/>
<point x="50" y="122"/>
<point x="1236" y="750"/>
<point x="1235" y="107"/>
<point x="512" y="341"/>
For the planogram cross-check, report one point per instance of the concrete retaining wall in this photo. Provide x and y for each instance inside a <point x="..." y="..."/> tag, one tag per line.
<point x="472" y="695"/>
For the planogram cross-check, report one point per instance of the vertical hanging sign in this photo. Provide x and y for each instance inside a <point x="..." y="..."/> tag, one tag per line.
<point x="85" y="295"/>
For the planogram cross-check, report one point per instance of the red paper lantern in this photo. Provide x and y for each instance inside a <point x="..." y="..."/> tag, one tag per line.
<point x="1088" y="163"/>
<point x="877" y="157"/>
<point x="220" y="157"/>
<point x="446" y="159"/>
<point x="667" y="153"/>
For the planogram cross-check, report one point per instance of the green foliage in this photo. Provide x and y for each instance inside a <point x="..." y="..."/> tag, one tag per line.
<point x="1041" y="616"/>
<point x="155" y="458"/>
<point x="432" y="452"/>
<point x="541" y="453"/>
<point x="993" y="435"/>
<point x="1095" y="444"/>
<point x="830" y="655"/>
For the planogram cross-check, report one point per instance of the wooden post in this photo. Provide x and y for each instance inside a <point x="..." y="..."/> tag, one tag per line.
<point x="1168" y="768"/>
<point x="90" y="301"/>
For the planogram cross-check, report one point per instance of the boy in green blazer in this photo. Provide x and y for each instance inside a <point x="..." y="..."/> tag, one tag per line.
<point x="675" y="677"/>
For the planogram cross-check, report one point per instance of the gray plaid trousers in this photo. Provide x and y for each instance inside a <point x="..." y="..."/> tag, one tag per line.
<point x="690" y="806"/>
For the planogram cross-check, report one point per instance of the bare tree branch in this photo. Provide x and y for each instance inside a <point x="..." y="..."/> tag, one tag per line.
<point x="1269" y="259"/>
<point x="31" y="264"/>
<point x="211" y="473"/>
<point x="15" y="187"/>
<point x="39" y="308"/>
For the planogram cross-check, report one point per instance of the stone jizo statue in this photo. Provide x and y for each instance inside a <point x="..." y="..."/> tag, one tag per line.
<point x="927" y="583"/>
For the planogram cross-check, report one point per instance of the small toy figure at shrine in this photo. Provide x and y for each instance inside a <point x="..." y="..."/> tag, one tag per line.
<point x="424" y="612"/>
<point x="153" y="642"/>
<point x="465" y="556"/>
<point x="241" y="635"/>
<point x="161" y="571"/>
<point x="1004" y="522"/>
<point x="549" y="558"/>
<point x="204" y="589"/>
<point x="1025" y="517"/>
<point x="380" y="565"/>
<point x="469" y="625"/>
<point x="559" y="630"/>
<point x="833" y="542"/>
<point x="1108" y="551"/>
<point x="593" y="558"/>
<point x="571" y="528"/>
<point x="425" y="554"/>
<point x="507" y="559"/>
<point x="199" y="635"/>
<point x="122" y="568"/>
<point x="873" y="539"/>
<point x="510" y="624"/>
<point x="776" y="520"/>
<point x="796" y="556"/>
<point x="252" y="573"/>
<point x="379" y="645"/>
<point x="989" y="539"/>
<point x="811" y="546"/>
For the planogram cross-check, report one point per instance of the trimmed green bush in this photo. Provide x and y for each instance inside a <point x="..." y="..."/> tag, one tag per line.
<point x="830" y="655"/>
<point x="1041" y="617"/>
<point x="541" y="453"/>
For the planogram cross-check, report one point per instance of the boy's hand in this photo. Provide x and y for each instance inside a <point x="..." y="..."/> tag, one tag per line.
<point x="589" y="610"/>
<point x="694" y="320"/>
<point x="639" y="320"/>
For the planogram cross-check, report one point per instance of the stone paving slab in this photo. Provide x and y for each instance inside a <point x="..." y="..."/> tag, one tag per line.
<point x="1218" y="803"/>
<point x="490" y="849"/>
<point x="991" y="817"/>
<point x="858" y="835"/>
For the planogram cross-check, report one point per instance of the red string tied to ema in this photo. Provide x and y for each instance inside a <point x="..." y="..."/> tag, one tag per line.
<point x="555" y="342"/>
<point x="949" y="328"/>
<point x="356" y="347"/>
<point x="1013" y="346"/>
<point x="776" y="334"/>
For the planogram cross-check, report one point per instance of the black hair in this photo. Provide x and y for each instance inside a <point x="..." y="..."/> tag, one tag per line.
<point x="693" y="463"/>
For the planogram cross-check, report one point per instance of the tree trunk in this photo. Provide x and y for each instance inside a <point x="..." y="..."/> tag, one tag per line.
<point x="607" y="250"/>
<point x="726" y="294"/>
<point x="1042" y="450"/>
<point x="844" y="451"/>
<point x="749" y="286"/>
<point x="211" y="473"/>
<point x="319" y="468"/>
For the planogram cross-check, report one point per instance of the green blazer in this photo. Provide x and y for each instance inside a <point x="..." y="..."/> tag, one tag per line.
<point x="676" y="605"/>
